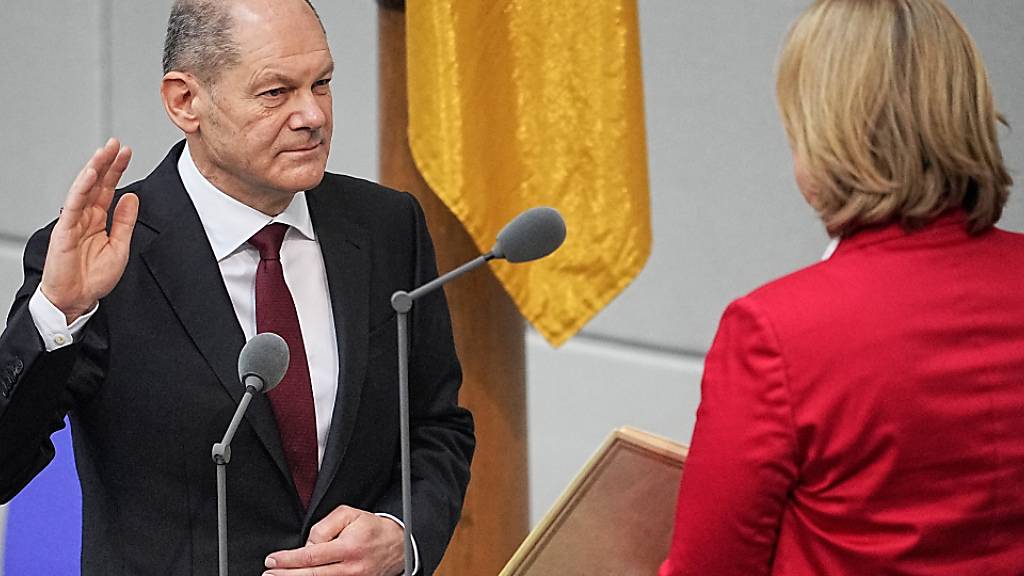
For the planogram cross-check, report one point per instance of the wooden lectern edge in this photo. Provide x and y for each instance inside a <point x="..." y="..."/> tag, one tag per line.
<point x="630" y="438"/>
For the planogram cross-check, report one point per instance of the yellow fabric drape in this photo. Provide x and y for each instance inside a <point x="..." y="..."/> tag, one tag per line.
<point x="520" y="103"/>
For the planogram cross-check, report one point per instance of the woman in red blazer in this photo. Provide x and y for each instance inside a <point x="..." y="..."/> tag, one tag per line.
<point x="865" y="415"/>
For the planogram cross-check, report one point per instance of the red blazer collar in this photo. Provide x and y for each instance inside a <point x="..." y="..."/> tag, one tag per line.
<point x="949" y="221"/>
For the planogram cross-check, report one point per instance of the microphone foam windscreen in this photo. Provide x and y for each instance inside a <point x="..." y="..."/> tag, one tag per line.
<point x="266" y="357"/>
<point x="531" y="235"/>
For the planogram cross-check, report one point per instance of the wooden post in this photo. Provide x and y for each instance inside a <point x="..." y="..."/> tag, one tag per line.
<point x="489" y="336"/>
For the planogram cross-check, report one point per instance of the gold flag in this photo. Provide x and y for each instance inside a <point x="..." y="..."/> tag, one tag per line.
<point x="520" y="103"/>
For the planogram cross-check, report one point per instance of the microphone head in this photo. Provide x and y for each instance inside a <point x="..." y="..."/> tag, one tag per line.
<point x="263" y="361"/>
<point x="533" y="234"/>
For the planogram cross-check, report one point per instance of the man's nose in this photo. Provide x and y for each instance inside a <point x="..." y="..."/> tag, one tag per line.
<point x="309" y="113"/>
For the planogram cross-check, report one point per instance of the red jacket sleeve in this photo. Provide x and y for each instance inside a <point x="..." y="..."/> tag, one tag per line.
<point x="742" y="464"/>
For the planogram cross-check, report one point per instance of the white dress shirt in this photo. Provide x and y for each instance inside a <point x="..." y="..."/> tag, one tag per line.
<point x="228" y="225"/>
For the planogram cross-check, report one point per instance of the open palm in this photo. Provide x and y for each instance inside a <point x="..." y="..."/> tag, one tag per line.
<point x="84" y="262"/>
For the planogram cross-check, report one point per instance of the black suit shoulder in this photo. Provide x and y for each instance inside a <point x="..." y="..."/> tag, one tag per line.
<point x="362" y="201"/>
<point x="371" y="213"/>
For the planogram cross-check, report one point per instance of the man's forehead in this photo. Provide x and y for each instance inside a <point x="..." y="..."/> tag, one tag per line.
<point x="259" y="21"/>
<point x="284" y="29"/>
<point x="258" y="9"/>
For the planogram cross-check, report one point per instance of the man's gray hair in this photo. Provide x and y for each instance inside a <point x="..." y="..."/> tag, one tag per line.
<point x="199" y="38"/>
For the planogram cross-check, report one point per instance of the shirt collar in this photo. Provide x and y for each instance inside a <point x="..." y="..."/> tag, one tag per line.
<point x="830" y="249"/>
<point x="229" y="223"/>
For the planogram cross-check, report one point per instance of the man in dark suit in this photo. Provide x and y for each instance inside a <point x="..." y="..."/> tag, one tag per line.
<point x="131" y="320"/>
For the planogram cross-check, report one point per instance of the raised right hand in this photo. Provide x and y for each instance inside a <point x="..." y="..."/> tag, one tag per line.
<point x="84" y="262"/>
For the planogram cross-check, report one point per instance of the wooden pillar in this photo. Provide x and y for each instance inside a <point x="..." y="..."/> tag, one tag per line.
<point x="489" y="336"/>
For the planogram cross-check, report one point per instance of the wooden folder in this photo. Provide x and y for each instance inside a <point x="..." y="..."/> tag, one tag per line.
<point x="616" y="516"/>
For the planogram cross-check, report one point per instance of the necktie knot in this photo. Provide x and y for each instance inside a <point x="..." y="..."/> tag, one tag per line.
<point x="268" y="240"/>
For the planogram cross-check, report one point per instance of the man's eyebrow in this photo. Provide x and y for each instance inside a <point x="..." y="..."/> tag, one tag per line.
<point x="271" y="77"/>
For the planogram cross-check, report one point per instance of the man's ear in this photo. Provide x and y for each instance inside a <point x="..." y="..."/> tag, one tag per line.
<point x="179" y="91"/>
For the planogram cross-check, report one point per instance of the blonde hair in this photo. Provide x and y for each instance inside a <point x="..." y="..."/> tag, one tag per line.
<point x="888" y="108"/>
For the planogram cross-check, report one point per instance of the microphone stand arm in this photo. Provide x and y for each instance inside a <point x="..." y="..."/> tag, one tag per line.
<point x="401" y="302"/>
<point x="221" y="457"/>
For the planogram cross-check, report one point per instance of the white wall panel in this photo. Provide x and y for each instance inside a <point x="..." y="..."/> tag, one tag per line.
<point x="352" y="32"/>
<point x="49" y="107"/>
<point x="996" y="26"/>
<point x="137" y="30"/>
<point x="10" y="277"/>
<point x="581" y="392"/>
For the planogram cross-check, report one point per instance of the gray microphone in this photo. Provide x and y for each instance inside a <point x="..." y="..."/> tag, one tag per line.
<point x="262" y="364"/>
<point x="532" y="234"/>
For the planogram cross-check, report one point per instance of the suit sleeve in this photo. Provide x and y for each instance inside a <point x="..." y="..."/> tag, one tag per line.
<point x="741" y="466"/>
<point x="36" y="387"/>
<point x="441" y="431"/>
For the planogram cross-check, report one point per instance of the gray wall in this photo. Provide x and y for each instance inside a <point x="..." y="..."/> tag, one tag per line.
<point x="726" y="214"/>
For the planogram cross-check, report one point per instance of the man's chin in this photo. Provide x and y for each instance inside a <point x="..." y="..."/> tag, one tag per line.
<point x="307" y="178"/>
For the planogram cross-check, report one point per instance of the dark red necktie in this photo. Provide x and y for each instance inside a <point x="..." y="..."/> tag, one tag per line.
<point x="292" y="400"/>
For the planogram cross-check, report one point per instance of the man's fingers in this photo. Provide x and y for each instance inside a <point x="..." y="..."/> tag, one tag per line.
<point x="113" y="175"/>
<point x="125" y="214"/>
<point x="105" y="164"/>
<point x="333" y="524"/>
<point x="309" y="556"/>
<point x="323" y="546"/>
<point x="78" y="194"/>
<point x="83" y="188"/>
<point x="104" y="158"/>
<point x="117" y="167"/>
<point x="364" y="544"/>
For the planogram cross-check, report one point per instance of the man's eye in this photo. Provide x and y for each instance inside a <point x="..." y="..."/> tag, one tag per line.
<point x="322" y="84"/>
<point x="274" y="92"/>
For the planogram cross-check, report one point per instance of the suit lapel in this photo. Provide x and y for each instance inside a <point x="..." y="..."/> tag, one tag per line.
<point x="346" y="252"/>
<point x="183" y="265"/>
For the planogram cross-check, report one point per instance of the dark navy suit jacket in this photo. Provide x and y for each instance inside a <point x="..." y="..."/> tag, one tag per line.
<point x="151" y="384"/>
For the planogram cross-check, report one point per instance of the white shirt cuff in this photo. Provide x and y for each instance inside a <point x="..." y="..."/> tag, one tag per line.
<point x="415" y="550"/>
<point x="51" y="323"/>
